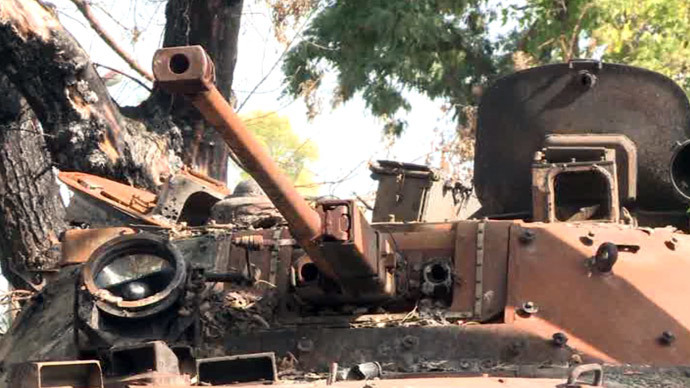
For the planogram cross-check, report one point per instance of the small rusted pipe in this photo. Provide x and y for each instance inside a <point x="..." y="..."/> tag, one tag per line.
<point x="189" y="71"/>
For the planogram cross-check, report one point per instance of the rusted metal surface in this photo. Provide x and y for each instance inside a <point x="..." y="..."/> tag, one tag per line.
<point x="121" y="247"/>
<point x="206" y="181"/>
<point x="184" y="70"/>
<point x="138" y="305"/>
<point x="354" y="250"/>
<point x="304" y="221"/>
<point x="57" y="374"/>
<point x="185" y="197"/>
<point x="146" y="364"/>
<point x="479" y="291"/>
<point x="188" y="197"/>
<point x="575" y="184"/>
<point x="347" y="250"/>
<point x="77" y="245"/>
<point x="465" y="348"/>
<point x="618" y="316"/>
<point x="134" y="202"/>
<point x="247" y="207"/>
<point x="647" y="107"/>
<point x="440" y="382"/>
<point x="626" y="157"/>
<point x="414" y="193"/>
<point x="360" y="375"/>
<point x="392" y="300"/>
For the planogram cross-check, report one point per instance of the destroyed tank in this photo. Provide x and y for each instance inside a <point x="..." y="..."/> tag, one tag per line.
<point x="572" y="273"/>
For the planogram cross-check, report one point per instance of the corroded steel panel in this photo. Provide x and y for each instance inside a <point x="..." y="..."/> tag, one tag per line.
<point x="618" y="316"/>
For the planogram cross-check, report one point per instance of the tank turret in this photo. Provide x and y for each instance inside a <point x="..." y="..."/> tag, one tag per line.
<point x="564" y="111"/>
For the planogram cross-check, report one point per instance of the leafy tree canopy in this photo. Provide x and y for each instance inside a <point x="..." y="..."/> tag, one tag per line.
<point x="382" y="48"/>
<point x="450" y="49"/>
<point x="289" y="151"/>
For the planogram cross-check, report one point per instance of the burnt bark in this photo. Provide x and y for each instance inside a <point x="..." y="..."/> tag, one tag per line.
<point x="31" y="211"/>
<point x="215" y="25"/>
<point x="61" y="85"/>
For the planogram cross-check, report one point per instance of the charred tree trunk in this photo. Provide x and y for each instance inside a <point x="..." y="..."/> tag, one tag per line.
<point x="215" y="25"/>
<point x="31" y="211"/>
<point x="85" y="129"/>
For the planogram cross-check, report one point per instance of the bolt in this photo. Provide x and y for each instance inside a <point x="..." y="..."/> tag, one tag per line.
<point x="667" y="338"/>
<point x="560" y="339"/>
<point x="305" y="345"/>
<point x="527" y="236"/>
<point x="606" y="257"/>
<point x="529" y="308"/>
<point x="410" y="341"/>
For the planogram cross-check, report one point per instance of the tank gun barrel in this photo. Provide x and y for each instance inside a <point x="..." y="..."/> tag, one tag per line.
<point x="188" y="70"/>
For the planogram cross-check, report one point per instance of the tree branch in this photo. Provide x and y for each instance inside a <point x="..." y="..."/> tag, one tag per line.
<point x="85" y="10"/>
<point x="88" y="131"/>
<point x="573" y="49"/>
<point x="143" y="85"/>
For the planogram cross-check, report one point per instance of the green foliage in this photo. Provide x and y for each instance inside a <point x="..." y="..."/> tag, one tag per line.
<point x="383" y="48"/>
<point x="653" y="34"/>
<point x="285" y="147"/>
<point x="445" y="48"/>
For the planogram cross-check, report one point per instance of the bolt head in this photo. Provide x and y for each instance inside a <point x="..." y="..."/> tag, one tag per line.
<point x="559" y="339"/>
<point x="667" y="338"/>
<point x="530" y="308"/>
<point x="410" y="341"/>
<point x="527" y="236"/>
